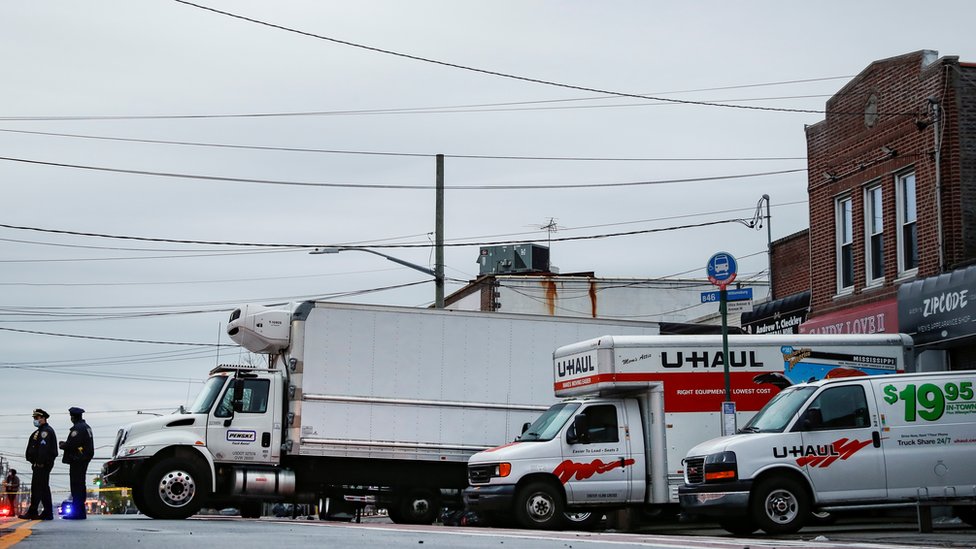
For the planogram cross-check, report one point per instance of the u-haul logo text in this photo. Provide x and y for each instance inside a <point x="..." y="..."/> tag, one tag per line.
<point x="242" y="436"/>
<point x="575" y="366"/>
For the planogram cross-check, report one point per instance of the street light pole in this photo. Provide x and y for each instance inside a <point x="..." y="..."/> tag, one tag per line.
<point x="438" y="277"/>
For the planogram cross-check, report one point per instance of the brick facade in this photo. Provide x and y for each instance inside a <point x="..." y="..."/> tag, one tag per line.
<point x="880" y="126"/>
<point x="791" y="265"/>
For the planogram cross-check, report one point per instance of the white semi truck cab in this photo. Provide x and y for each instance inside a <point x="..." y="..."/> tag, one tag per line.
<point x="634" y="405"/>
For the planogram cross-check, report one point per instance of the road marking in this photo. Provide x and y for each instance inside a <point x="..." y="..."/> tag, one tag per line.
<point x="18" y="535"/>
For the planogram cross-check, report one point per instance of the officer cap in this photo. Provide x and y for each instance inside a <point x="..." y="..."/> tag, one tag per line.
<point x="40" y="413"/>
<point x="75" y="411"/>
<point x="13" y="471"/>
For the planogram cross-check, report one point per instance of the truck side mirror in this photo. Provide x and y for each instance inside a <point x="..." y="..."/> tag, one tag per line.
<point x="525" y="427"/>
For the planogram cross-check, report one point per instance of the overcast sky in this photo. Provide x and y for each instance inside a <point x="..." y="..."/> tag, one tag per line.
<point x="114" y="80"/>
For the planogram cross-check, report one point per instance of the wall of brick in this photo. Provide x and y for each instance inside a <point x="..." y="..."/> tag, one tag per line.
<point x="888" y="105"/>
<point x="791" y="265"/>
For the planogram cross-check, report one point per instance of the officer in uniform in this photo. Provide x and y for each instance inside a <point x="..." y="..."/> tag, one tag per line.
<point x="79" y="449"/>
<point x="42" y="450"/>
<point x="11" y="485"/>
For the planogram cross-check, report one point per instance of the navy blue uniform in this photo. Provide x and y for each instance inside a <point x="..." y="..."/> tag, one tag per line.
<point x="79" y="449"/>
<point x="42" y="451"/>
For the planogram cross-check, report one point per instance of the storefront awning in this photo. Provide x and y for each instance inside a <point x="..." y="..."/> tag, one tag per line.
<point x="939" y="308"/>
<point x="781" y="316"/>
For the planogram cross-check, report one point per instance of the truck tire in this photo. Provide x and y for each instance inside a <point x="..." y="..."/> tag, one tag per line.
<point x="174" y="489"/>
<point x="250" y="509"/>
<point x="741" y="526"/>
<point x="416" y="507"/>
<point x="582" y="520"/>
<point x="138" y="500"/>
<point x="780" y="505"/>
<point x="539" y="505"/>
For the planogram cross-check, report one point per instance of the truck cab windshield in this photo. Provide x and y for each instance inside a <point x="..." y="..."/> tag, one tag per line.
<point x="208" y="395"/>
<point x="777" y="413"/>
<point x="550" y="422"/>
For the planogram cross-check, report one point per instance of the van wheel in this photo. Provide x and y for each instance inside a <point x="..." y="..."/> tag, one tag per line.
<point x="780" y="505"/>
<point x="967" y="514"/>
<point x="582" y="520"/>
<point x="741" y="526"/>
<point x="539" y="505"/>
<point x="174" y="489"/>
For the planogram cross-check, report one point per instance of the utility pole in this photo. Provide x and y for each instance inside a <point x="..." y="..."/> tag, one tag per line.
<point x="439" y="236"/>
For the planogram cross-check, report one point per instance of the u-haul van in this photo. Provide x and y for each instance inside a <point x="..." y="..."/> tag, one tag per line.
<point x="634" y="405"/>
<point x="838" y="443"/>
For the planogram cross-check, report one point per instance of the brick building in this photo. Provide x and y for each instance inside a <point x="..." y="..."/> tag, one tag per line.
<point x="892" y="193"/>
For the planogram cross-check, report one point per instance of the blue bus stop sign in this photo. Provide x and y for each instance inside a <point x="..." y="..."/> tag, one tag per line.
<point x="721" y="269"/>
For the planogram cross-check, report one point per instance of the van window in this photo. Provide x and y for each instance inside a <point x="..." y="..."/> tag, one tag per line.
<point x="840" y="408"/>
<point x="602" y="421"/>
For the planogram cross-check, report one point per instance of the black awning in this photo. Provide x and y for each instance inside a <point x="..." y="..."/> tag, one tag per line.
<point x="939" y="308"/>
<point x="781" y="316"/>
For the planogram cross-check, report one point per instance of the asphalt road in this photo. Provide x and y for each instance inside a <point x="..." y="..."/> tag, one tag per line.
<point x="232" y="532"/>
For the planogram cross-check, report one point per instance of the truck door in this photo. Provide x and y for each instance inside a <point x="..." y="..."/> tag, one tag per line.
<point x="247" y="435"/>
<point x="841" y="449"/>
<point x="597" y="462"/>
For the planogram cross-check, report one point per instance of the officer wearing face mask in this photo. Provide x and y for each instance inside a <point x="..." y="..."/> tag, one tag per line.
<point x="42" y="450"/>
<point x="78" y="449"/>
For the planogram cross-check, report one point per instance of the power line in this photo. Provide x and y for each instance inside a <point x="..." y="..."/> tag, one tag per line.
<point x="406" y="154"/>
<point x="397" y="187"/>
<point x="508" y="75"/>
<point x="118" y="339"/>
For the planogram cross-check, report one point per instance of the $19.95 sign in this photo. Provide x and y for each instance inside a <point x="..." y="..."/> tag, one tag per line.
<point x="721" y="269"/>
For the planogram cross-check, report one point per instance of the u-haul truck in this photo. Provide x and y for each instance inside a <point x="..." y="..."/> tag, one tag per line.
<point x="841" y="443"/>
<point x="634" y="406"/>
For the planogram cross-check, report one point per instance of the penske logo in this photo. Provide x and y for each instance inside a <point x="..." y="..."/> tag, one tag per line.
<point x="242" y="436"/>
<point x="821" y="455"/>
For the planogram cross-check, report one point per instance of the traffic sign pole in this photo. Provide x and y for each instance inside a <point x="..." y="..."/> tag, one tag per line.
<point x="721" y="271"/>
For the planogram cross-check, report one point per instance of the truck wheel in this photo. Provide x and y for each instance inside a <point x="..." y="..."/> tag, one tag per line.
<point x="417" y="507"/>
<point x="250" y="509"/>
<point x="780" y="505"/>
<point x="174" y="489"/>
<point x="138" y="500"/>
<point x="739" y="527"/>
<point x="582" y="520"/>
<point x="539" y="505"/>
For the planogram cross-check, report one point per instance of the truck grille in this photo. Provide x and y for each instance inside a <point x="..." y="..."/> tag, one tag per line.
<point x="695" y="470"/>
<point x="480" y="474"/>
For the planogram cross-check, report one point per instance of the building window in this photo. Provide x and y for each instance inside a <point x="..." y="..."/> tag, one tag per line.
<point x="907" y="234"/>
<point x="845" y="244"/>
<point x="874" y="237"/>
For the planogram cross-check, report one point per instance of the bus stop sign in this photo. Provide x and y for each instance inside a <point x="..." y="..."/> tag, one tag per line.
<point x="721" y="269"/>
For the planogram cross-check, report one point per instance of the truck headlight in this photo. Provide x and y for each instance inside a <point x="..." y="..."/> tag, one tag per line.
<point x="720" y="467"/>
<point x="130" y="451"/>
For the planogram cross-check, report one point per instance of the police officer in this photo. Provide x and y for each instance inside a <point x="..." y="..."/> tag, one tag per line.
<point x="79" y="449"/>
<point x="42" y="450"/>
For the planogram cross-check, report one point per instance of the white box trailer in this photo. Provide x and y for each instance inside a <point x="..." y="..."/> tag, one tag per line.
<point x="359" y="403"/>
<point x="634" y="406"/>
<point x="842" y="443"/>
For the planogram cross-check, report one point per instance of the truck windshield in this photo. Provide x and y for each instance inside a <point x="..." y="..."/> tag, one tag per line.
<point x="208" y="395"/>
<point x="550" y="422"/>
<point x="777" y="413"/>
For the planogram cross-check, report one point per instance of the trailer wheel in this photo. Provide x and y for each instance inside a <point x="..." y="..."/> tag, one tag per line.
<point x="174" y="489"/>
<point x="967" y="514"/>
<point x="582" y="520"/>
<point x="780" y="505"/>
<point x="739" y="527"/>
<point x="416" y="507"/>
<point x="539" y="505"/>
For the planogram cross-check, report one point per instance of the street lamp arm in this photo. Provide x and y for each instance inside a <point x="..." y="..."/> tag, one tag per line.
<point x="414" y="266"/>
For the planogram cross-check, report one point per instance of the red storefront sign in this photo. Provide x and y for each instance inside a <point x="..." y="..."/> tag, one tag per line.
<point x="874" y="318"/>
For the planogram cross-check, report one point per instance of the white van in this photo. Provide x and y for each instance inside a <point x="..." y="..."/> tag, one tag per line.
<point x="837" y="443"/>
